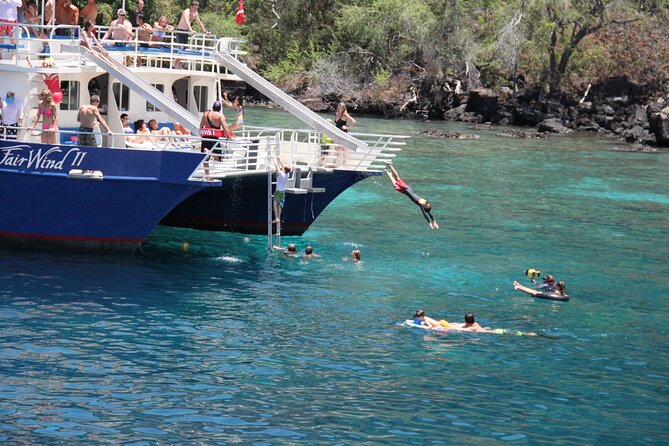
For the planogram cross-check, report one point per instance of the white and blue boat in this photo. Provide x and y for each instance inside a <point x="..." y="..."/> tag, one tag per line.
<point x="112" y="195"/>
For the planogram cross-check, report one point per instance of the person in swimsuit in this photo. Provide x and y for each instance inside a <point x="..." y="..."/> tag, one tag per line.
<point x="120" y="30"/>
<point x="46" y="108"/>
<point x="471" y="324"/>
<point x="89" y="12"/>
<point x="238" y="105"/>
<point x="184" y="28"/>
<point x="213" y="127"/>
<point x="51" y="81"/>
<point x="90" y="40"/>
<point x="143" y="133"/>
<point x="33" y="19"/>
<point x="160" y="28"/>
<point x="559" y="289"/>
<point x="419" y="318"/>
<point x="88" y="116"/>
<point x="405" y="189"/>
<point x="343" y="121"/>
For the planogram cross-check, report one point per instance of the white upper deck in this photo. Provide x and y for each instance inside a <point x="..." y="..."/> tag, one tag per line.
<point x="173" y="82"/>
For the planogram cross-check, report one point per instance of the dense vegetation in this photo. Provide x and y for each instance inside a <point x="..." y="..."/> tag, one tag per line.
<point x="339" y="48"/>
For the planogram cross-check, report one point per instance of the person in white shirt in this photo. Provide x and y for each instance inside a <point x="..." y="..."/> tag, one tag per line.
<point x="280" y="193"/>
<point x="12" y="116"/>
<point x="9" y="10"/>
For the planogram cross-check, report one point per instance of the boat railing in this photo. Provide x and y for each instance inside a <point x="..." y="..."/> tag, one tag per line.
<point x="312" y="149"/>
<point x="60" y="44"/>
<point x="252" y="150"/>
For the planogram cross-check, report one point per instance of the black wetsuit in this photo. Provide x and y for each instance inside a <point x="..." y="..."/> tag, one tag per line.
<point x="406" y="190"/>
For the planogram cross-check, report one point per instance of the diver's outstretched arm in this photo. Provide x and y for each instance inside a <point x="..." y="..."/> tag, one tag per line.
<point x="525" y="289"/>
<point x="392" y="179"/>
<point x="390" y="165"/>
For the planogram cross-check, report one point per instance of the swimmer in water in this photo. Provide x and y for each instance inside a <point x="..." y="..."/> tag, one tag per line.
<point x="559" y="289"/>
<point x="471" y="324"/>
<point x="309" y="253"/>
<point x="419" y="318"/>
<point x="403" y="188"/>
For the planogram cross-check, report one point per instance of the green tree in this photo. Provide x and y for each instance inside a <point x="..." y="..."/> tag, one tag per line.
<point x="558" y="27"/>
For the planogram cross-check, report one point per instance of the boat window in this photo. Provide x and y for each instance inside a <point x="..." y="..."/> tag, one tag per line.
<point x="70" y="95"/>
<point x="150" y="106"/>
<point x="201" y="94"/>
<point x="121" y="96"/>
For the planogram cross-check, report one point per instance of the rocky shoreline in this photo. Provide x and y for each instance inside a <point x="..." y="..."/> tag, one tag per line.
<point x="617" y="107"/>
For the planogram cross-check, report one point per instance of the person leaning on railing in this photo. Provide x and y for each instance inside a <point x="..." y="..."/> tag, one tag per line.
<point x="184" y="28"/>
<point x="119" y="30"/>
<point x="160" y="29"/>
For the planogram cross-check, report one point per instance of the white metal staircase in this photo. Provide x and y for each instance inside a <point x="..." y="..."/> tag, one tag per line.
<point x="286" y="101"/>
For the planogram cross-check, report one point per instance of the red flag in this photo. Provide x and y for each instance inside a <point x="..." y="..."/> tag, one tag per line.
<point x="240" y="14"/>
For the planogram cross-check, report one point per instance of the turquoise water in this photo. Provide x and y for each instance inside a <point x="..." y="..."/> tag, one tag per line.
<point x="225" y="345"/>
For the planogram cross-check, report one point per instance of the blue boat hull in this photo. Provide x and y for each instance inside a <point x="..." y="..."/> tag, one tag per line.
<point x="42" y="205"/>
<point x="240" y="204"/>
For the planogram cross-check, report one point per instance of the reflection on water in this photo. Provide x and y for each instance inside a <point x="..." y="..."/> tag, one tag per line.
<point x="224" y="344"/>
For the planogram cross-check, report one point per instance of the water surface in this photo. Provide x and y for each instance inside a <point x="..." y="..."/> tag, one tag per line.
<point x="225" y="344"/>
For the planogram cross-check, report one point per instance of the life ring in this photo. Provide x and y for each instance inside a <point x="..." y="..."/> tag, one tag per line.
<point x="552" y="296"/>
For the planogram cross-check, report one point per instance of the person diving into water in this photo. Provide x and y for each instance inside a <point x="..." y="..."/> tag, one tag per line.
<point x="403" y="188"/>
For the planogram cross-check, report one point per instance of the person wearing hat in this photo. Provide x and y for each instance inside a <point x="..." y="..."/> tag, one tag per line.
<point x="184" y="27"/>
<point x="120" y="30"/>
<point x="12" y="116"/>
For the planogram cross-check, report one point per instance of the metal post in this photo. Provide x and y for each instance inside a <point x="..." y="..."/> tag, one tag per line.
<point x="269" y="200"/>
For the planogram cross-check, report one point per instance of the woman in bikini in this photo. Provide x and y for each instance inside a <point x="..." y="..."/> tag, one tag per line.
<point x="47" y="109"/>
<point x="238" y="105"/>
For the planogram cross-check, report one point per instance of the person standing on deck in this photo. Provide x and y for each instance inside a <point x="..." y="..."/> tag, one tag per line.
<point x="67" y="14"/>
<point x="139" y="9"/>
<point x="88" y="115"/>
<point x="47" y="109"/>
<point x="12" y="116"/>
<point x="9" y="10"/>
<point x="184" y="28"/>
<point x="89" y="12"/>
